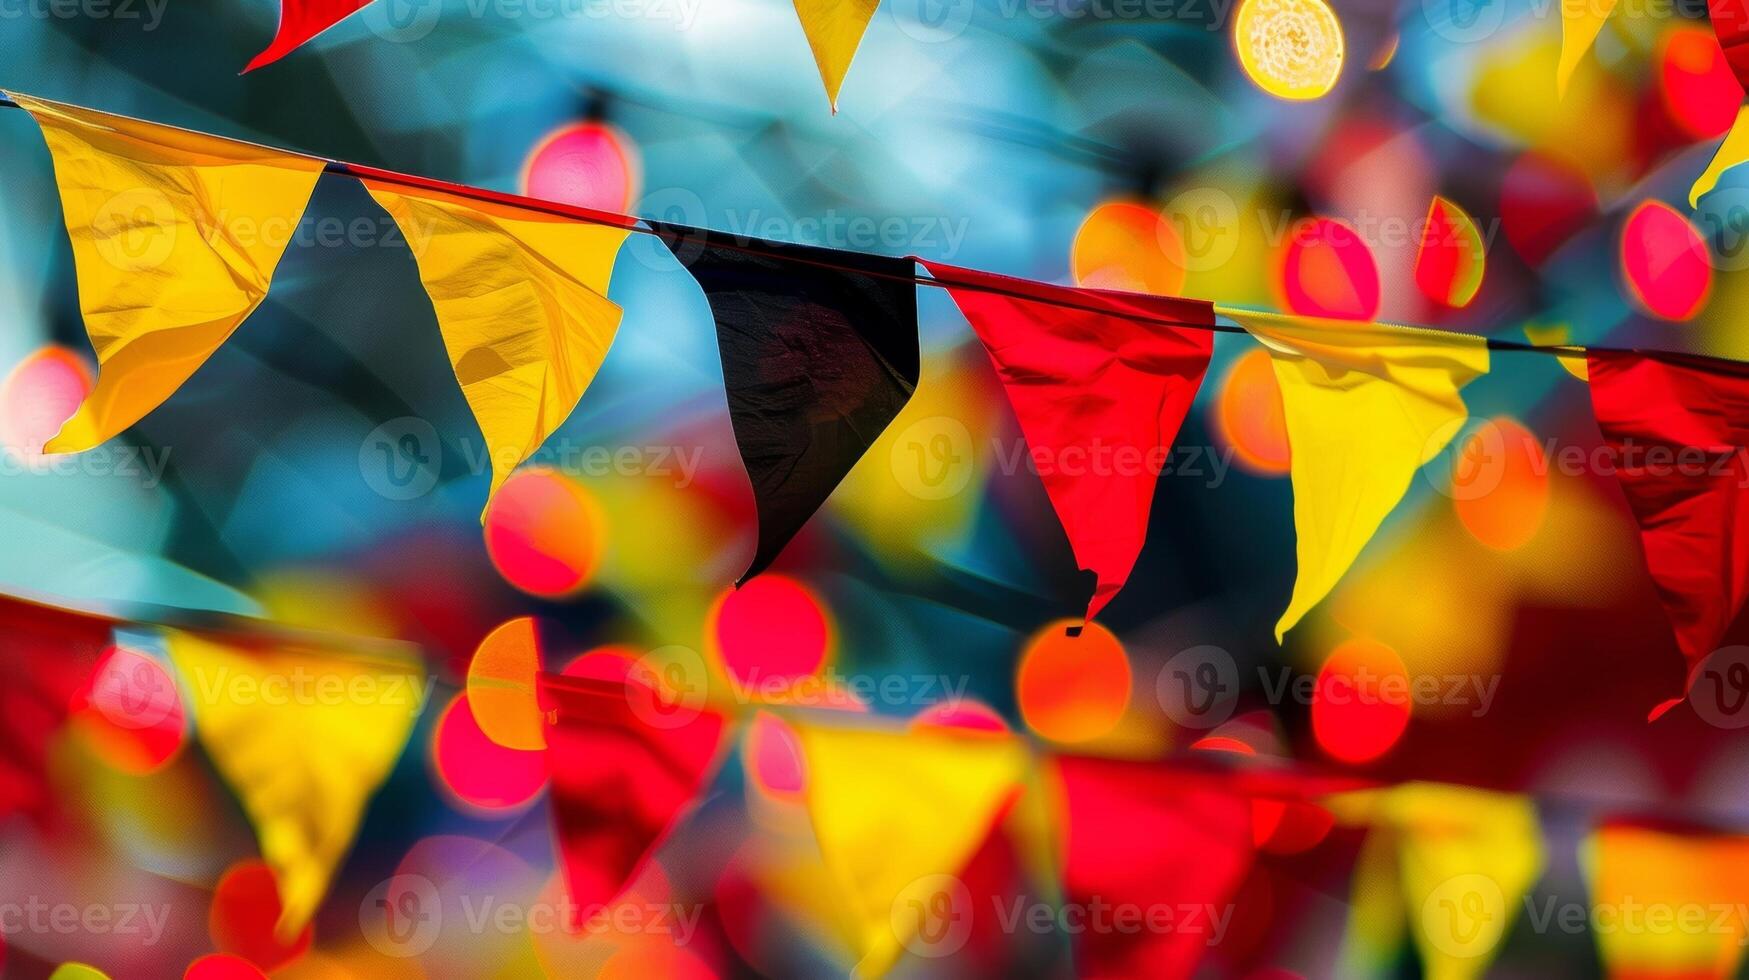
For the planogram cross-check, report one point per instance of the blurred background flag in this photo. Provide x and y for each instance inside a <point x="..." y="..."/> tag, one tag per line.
<point x="301" y="20"/>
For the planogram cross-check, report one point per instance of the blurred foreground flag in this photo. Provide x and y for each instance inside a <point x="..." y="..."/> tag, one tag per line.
<point x="1667" y="905"/>
<point x="626" y="759"/>
<point x="1365" y="408"/>
<point x="897" y="816"/>
<point x="1694" y="413"/>
<point x="834" y="29"/>
<point x="173" y="248"/>
<point x="301" y="20"/>
<point x="1087" y="378"/>
<point x="819" y="352"/>
<point x="1581" y="22"/>
<point x="1734" y="149"/>
<point x="47" y="657"/>
<point x="1144" y="835"/>
<point x="521" y="303"/>
<point x="302" y="759"/>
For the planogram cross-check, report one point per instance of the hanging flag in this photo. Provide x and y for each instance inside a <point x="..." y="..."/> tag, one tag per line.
<point x="897" y="815"/>
<point x="1581" y="22"/>
<point x="1730" y="22"/>
<point x="1675" y="902"/>
<point x="625" y="764"/>
<point x="47" y="658"/>
<point x="300" y="21"/>
<point x="1734" y="149"/>
<point x="1696" y="410"/>
<point x="834" y="29"/>
<point x="1365" y="407"/>
<point x="173" y="245"/>
<point x="1148" y="836"/>
<point x="819" y="351"/>
<point x="1089" y="382"/>
<point x="521" y="303"/>
<point x="302" y="762"/>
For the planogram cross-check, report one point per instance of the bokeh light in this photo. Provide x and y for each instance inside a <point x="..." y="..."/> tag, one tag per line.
<point x="222" y="966"/>
<point x="1664" y="262"/>
<point x="501" y="685"/>
<point x="1292" y="49"/>
<point x="40" y="393"/>
<point x="773" y="756"/>
<point x="1360" y="701"/>
<point x="1451" y="259"/>
<point x="478" y="771"/>
<point x="964" y="714"/>
<point x="1328" y="270"/>
<point x="1128" y="246"/>
<point x="130" y="713"/>
<point x="244" y="913"/>
<point x="1500" y="484"/>
<point x="1698" y="89"/>
<point x="545" y="533"/>
<point x="1073" y="688"/>
<point x="769" y="631"/>
<point x="589" y="164"/>
<point x="1249" y="416"/>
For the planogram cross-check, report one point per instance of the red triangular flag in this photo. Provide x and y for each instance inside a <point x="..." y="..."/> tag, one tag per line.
<point x="301" y="20"/>
<point x="1677" y="426"/>
<point x="47" y="657"/>
<point x="624" y="765"/>
<point x="1147" y="836"/>
<point x="1098" y="394"/>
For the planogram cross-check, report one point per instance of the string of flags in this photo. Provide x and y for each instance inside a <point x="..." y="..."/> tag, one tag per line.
<point x="819" y="354"/>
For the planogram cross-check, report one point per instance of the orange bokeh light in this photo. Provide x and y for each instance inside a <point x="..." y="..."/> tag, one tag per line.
<point x="1128" y="246"/>
<point x="478" y="771"/>
<point x="1361" y="701"/>
<point x="1073" y="688"/>
<point x="1699" y="91"/>
<point x="1248" y="415"/>
<point x="1500" y="484"/>
<point x="501" y="685"/>
<point x="545" y="533"/>
<point x="769" y="631"/>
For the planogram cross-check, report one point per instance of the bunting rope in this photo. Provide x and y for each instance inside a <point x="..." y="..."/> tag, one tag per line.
<point x="639" y="225"/>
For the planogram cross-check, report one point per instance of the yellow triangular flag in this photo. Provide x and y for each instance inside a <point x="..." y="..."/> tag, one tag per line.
<point x="834" y="29"/>
<point x="175" y="238"/>
<point x="896" y="817"/>
<point x="521" y="302"/>
<point x="1581" y="22"/>
<point x="304" y="739"/>
<point x="1732" y="151"/>
<point x="1468" y="859"/>
<point x="1668" y="904"/>
<point x="1365" y="407"/>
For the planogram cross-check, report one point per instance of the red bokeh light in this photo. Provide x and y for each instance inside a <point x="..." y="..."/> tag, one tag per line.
<point x="478" y="770"/>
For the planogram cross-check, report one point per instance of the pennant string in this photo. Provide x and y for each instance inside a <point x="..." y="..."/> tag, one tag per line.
<point x="635" y="224"/>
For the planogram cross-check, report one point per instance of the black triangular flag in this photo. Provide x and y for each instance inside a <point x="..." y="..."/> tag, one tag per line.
<point x="819" y="352"/>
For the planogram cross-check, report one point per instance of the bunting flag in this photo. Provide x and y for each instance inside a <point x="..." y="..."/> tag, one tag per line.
<point x="1581" y="22"/>
<point x="1734" y="149"/>
<point x="621" y="777"/>
<point x="301" y="21"/>
<point x="521" y="303"/>
<point x="1679" y="429"/>
<point x="302" y="761"/>
<point x="47" y="658"/>
<point x="1141" y="834"/>
<point x="173" y="246"/>
<point x="1365" y="408"/>
<point x="1730" y="22"/>
<point x="819" y="352"/>
<point x="897" y="815"/>
<point x="1087" y="379"/>
<point x="1668" y="904"/>
<point x="834" y="29"/>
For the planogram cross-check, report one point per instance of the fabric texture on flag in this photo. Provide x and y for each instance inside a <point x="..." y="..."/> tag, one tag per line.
<point x="834" y="29"/>
<point x="1692" y="520"/>
<point x="299" y="22"/>
<point x="626" y="763"/>
<point x="819" y="353"/>
<point x="521" y="304"/>
<point x="175" y="238"/>
<point x="1146" y="835"/>
<point x="302" y="768"/>
<point x="897" y="815"/>
<point x="1086" y="378"/>
<point x="1365" y="408"/>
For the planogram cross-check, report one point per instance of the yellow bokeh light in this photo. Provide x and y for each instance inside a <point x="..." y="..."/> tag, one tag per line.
<point x="1291" y="49"/>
